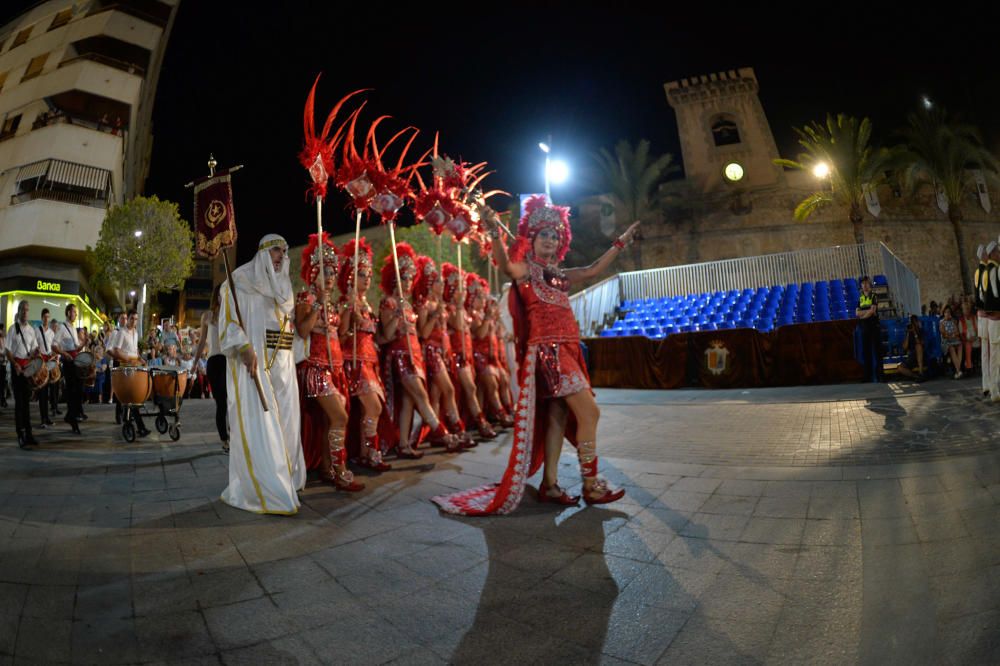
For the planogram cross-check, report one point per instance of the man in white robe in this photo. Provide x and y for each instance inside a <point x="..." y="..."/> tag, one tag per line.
<point x="266" y="465"/>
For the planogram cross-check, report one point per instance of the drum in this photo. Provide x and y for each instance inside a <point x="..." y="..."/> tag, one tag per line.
<point x="86" y="368"/>
<point x="132" y="385"/>
<point x="37" y="373"/>
<point x="168" y="379"/>
<point x="55" y="370"/>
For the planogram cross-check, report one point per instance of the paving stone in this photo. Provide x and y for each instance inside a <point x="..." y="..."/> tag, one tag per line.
<point x="707" y="640"/>
<point x="44" y="640"/>
<point x="732" y="546"/>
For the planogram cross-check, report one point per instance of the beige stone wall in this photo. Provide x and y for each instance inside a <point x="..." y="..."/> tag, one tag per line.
<point x="708" y="228"/>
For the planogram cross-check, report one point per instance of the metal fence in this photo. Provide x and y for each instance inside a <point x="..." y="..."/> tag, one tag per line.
<point x="593" y="305"/>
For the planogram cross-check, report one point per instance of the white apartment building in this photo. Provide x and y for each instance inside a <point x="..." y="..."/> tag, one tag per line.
<point x="77" y="85"/>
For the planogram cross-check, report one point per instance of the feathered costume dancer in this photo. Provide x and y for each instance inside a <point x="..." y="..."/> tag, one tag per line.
<point x="323" y="387"/>
<point x="364" y="383"/>
<point x="432" y="324"/>
<point x="484" y="354"/>
<point x="461" y="365"/>
<point x="550" y="366"/>
<point x="403" y="372"/>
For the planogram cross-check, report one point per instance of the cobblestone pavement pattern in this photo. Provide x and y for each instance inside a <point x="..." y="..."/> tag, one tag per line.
<point x="821" y="524"/>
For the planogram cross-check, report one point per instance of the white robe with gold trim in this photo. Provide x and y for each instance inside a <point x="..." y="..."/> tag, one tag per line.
<point x="266" y="464"/>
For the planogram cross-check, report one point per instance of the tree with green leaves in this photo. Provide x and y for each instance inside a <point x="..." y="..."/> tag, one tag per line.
<point x="843" y="144"/>
<point x="144" y="242"/>
<point x="631" y="178"/>
<point x="944" y="154"/>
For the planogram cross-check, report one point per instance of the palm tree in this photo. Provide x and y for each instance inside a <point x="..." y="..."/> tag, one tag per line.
<point x="943" y="153"/>
<point x="631" y="178"/>
<point x="843" y="144"/>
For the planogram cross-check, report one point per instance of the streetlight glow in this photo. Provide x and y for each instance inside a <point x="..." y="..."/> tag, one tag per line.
<point x="558" y="172"/>
<point x="545" y="147"/>
<point x="926" y="102"/>
<point x="138" y="233"/>
<point x="821" y="170"/>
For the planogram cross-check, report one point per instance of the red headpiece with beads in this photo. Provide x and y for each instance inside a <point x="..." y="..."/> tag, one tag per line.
<point x="310" y="258"/>
<point x="345" y="273"/>
<point x="538" y="215"/>
<point x="407" y="268"/>
<point x="427" y="273"/>
<point x="450" y="274"/>
<point x="475" y="286"/>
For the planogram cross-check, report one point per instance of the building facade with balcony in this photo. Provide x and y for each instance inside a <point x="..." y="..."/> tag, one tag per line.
<point x="77" y="86"/>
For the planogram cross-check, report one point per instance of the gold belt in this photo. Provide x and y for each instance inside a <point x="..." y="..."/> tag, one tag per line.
<point x="278" y="339"/>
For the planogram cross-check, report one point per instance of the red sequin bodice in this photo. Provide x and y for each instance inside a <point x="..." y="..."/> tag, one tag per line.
<point x="545" y="294"/>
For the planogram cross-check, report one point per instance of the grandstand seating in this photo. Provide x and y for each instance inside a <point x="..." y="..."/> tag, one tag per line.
<point x="764" y="309"/>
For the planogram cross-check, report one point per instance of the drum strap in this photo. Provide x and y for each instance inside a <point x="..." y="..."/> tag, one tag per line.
<point x="24" y="342"/>
<point x="45" y="343"/>
<point x="72" y="352"/>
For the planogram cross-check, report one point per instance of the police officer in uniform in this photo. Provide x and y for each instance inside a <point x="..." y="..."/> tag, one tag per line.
<point x="22" y="346"/>
<point x="871" y="334"/>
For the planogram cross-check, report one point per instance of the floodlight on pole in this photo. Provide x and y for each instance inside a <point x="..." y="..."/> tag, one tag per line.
<point x="557" y="172"/>
<point x="544" y="147"/>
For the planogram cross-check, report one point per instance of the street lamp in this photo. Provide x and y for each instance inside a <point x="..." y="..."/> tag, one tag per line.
<point x="821" y="170"/>
<point x="138" y="233"/>
<point x="544" y="147"/>
<point x="558" y="172"/>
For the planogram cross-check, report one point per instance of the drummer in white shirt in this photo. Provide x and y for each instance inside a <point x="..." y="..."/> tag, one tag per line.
<point x="21" y="348"/>
<point x="125" y="349"/>
<point x="69" y="345"/>
<point x="45" y="338"/>
<point x="108" y="344"/>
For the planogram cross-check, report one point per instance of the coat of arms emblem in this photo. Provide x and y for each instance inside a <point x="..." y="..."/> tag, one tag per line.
<point x="716" y="357"/>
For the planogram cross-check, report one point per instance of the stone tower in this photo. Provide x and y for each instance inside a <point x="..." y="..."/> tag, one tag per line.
<point x="726" y="142"/>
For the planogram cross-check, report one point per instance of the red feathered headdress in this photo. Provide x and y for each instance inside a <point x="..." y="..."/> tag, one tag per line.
<point x="538" y="214"/>
<point x="475" y="286"/>
<point x="427" y="274"/>
<point x="317" y="149"/>
<point x="345" y="273"/>
<point x="310" y="263"/>
<point x="407" y="268"/>
<point x="450" y="274"/>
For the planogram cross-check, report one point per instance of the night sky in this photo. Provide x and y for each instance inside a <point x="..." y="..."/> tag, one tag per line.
<point x="494" y="82"/>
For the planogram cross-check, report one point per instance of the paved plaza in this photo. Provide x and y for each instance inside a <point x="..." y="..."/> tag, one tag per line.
<point x="838" y="524"/>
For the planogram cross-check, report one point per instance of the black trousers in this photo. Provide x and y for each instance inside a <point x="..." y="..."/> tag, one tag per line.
<point x="74" y="389"/>
<point x="43" y="401"/>
<point x="217" y="379"/>
<point x="53" y="391"/>
<point x="22" y="398"/>
<point x="3" y="384"/>
<point x="871" y="345"/>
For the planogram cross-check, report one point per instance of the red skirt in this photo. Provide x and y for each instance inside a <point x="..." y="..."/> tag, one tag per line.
<point x="561" y="370"/>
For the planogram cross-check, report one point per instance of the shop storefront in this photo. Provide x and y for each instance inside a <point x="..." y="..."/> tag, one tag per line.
<point x="53" y="294"/>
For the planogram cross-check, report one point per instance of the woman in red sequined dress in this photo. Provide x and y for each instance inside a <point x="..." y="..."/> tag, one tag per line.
<point x="499" y="344"/>
<point x="432" y="329"/>
<point x="459" y="326"/>
<point x="484" y="353"/>
<point x="321" y="375"/>
<point x="357" y="342"/>
<point x="404" y="376"/>
<point x="555" y="399"/>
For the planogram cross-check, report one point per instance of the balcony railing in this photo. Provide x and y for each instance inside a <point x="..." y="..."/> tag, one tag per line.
<point x="129" y="67"/>
<point x="61" y="196"/>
